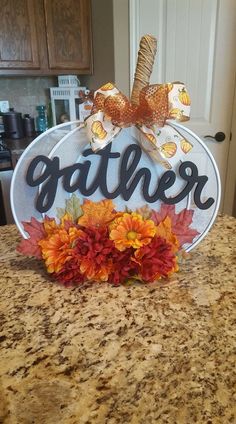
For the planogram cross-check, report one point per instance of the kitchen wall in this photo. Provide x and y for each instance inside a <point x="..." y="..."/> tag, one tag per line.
<point x="121" y="45"/>
<point x="24" y="94"/>
<point x="103" y="45"/>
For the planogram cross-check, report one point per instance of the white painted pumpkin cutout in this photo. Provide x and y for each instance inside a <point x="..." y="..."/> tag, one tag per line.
<point x="126" y="178"/>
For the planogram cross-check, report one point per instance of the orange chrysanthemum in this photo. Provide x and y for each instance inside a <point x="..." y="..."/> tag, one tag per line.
<point x="131" y="230"/>
<point x="57" y="248"/>
<point x="164" y="230"/>
<point x="50" y="226"/>
<point x="97" y="214"/>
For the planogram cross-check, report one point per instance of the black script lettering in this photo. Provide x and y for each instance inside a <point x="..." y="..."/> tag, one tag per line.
<point x="167" y="180"/>
<point x="192" y="179"/>
<point x="129" y="179"/>
<point x="100" y="180"/>
<point x="68" y="172"/>
<point x="127" y="170"/>
<point x="49" y="177"/>
<point x="202" y="180"/>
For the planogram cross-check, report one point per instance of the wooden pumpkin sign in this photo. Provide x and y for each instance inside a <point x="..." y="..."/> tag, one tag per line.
<point x="121" y="196"/>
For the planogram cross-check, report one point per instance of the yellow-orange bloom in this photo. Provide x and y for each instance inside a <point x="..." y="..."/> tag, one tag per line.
<point x="97" y="214"/>
<point x="131" y="230"/>
<point x="164" y="230"/>
<point x="65" y="218"/>
<point x="50" y="226"/>
<point x="58" y="247"/>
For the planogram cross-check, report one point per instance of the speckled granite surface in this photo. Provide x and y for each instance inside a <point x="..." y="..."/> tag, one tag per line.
<point x="162" y="353"/>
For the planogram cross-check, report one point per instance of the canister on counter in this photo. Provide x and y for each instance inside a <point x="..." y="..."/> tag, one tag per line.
<point x="13" y="124"/>
<point x="28" y="125"/>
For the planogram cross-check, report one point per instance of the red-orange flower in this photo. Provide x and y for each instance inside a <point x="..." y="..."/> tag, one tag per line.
<point x="97" y="214"/>
<point x="58" y="248"/>
<point x="156" y="260"/>
<point x="131" y="230"/>
<point x="70" y="273"/>
<point x="94" y="253"/>
<point x="123" y="266"/>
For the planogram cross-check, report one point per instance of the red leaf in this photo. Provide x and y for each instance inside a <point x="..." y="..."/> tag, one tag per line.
<point x="30" y="247"/>
<point x="180" y="222"/>
<point x="166" y="210"/>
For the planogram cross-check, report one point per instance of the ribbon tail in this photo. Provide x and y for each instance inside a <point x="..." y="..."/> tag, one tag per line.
<point x="100" y="131"/>
<point x="165" y="145"/>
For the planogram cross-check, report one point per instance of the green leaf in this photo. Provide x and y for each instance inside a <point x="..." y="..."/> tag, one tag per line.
<point x="73" y="207"/>
<point x="60" y="212"/>
<point x="134" y="281"/>
<point x="127" y="210"/>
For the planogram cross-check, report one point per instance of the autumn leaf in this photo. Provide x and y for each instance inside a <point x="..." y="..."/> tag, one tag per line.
<point x="144" y="211"/>
<point x="166" y="210"/>
<point x="72" y="209"/>
<point x="30" y="247"/>
<point x="97" y="214"/>
<point x="60" y="212"/>
<point x="127" y="210"/>
<point x="180" y="222"/>
<point x="165" y="230"/>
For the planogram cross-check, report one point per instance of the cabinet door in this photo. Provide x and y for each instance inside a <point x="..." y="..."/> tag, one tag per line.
<point x="68" y="26"/>
<point x="18" y="39"/>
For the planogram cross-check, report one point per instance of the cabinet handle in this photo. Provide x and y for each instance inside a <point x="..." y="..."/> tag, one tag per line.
<point x="219" y="137"/>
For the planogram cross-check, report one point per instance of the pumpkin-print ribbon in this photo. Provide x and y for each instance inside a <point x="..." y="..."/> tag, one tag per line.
<point x="158" y="103"/>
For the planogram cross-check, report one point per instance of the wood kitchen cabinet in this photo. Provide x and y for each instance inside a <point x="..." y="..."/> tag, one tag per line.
<point x="45" y="37"/>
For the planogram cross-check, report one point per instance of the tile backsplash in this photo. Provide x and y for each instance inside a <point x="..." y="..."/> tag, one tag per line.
<point x="24" y="94"/>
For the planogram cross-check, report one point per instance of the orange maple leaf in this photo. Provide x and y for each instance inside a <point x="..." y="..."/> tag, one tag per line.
<point x="164" y="230"/>
<point x="97" y="214"/>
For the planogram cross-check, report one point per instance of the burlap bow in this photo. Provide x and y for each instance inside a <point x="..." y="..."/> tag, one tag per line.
<point x="158" y="103"/>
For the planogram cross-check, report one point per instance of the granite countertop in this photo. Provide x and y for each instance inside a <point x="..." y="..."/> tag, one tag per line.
<point x="160" y="353"/>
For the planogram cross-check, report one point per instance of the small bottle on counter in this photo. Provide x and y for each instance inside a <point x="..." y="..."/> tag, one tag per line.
<point x="41" y="119"/>
<point x="49" y="115"/>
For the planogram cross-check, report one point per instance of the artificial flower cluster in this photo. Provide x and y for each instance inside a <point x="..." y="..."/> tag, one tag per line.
<point x="94" y="242"/>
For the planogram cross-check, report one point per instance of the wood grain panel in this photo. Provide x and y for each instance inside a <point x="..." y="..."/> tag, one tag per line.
<point x="69" y="34"/>
<point x="45" y="37"/>
<point x="18" y="38"/>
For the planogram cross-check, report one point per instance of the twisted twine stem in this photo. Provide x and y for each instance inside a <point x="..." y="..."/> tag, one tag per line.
<point x="146" y="56"/>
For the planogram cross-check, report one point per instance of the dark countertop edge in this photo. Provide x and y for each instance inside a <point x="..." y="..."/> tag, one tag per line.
<point x="19" y="145"/>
